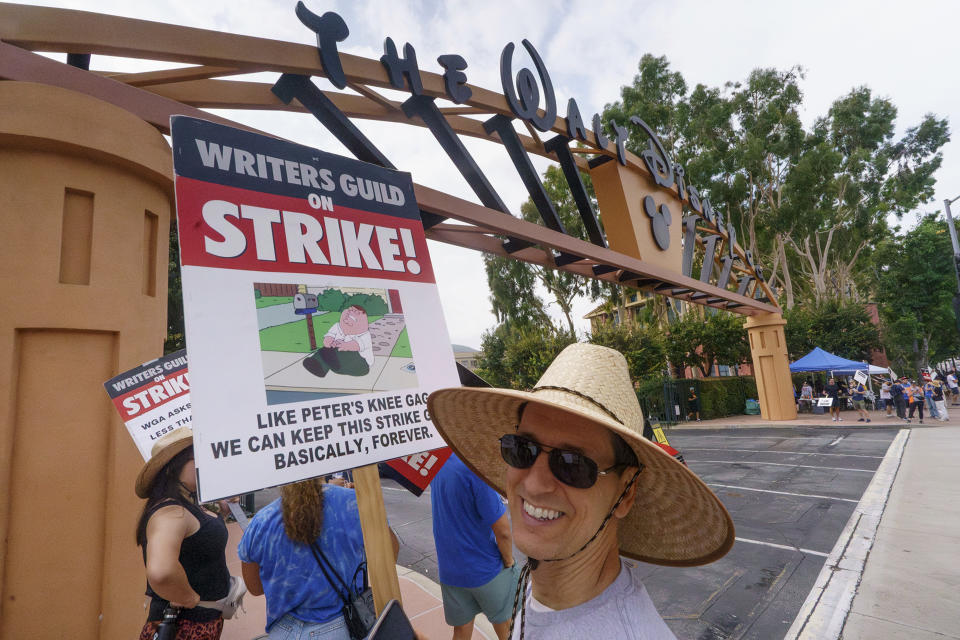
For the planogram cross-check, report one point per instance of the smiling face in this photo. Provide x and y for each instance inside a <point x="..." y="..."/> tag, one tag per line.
<point x="353" y="321"/>
<point x="552" y="519"/>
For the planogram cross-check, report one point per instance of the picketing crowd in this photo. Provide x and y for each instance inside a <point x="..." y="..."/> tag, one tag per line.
<point x="601" y="497"/>
<point x="902" y="396"/>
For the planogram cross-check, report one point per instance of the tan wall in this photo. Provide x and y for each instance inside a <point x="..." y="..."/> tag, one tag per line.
<point x="86" y="198"/>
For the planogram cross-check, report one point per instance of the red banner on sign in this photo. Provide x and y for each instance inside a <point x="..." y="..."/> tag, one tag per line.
<point x="416" y="471"/>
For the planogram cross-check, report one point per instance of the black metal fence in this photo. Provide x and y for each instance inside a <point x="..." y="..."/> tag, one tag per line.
<point x="667" y="400"/>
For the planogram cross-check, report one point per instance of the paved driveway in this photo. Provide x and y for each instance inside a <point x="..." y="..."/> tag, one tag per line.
<point x="790" y="493"/>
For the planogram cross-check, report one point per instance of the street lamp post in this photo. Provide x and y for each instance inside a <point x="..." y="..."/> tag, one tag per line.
<point x="956" y="257"/>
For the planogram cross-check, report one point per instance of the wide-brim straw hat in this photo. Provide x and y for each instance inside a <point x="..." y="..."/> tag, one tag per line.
<point x="162" y="452"/>
<point x="675" y="520"/>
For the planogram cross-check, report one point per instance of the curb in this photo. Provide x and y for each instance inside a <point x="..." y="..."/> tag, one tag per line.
<point x="731" y="426"/>
<point x="825" y="610"/>
<point x="480" y="624"/>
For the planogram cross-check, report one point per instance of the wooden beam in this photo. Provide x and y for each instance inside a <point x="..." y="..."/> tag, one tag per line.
<point x="18" y="64"/>
<point x="458" y="209"/>
<point x="68" y="30"/>
<point x="165" y="76"/>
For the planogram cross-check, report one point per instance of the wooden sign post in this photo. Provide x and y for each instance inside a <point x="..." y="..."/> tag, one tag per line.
<point x="376" y="537"/>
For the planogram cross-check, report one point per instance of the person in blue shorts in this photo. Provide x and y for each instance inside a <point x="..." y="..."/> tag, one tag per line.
<point x="474" y="550"/>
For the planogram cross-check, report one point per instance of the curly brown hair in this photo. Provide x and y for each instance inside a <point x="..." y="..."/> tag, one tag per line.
<point x="302" y="505"/>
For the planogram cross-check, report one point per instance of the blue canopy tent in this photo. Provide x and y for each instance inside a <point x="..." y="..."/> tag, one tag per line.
<point x="820" y="360"/>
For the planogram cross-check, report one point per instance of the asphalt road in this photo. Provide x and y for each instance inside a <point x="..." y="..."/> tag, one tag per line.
<point x="790" y="493"/>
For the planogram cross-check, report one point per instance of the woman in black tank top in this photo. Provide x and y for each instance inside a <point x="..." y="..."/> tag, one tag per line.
<point x="183" y="545"/>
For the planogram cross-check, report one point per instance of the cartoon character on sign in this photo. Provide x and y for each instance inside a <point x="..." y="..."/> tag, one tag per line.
<point x="347" y="347"/>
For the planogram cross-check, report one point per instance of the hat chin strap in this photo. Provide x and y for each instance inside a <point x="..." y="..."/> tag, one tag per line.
<point x="193" y="494"/>
<point x="532" y="563"/>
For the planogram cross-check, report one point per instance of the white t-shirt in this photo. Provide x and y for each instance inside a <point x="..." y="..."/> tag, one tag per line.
<point x="951" y="380"/>
<point x="362" y="339"/>
<point x="885" y="391"/>
<point x="623" y="611"/>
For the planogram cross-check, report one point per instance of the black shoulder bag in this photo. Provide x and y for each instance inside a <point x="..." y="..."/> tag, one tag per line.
<point x="358" y="610"/>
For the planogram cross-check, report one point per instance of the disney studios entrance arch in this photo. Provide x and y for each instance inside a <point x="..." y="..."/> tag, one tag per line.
<point x="58" y="120"/>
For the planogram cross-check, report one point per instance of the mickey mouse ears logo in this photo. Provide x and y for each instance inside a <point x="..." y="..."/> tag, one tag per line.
<point x="660" y="220"/>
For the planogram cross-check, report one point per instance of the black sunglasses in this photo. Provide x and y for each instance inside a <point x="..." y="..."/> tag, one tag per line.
<point x="569" y="467"/>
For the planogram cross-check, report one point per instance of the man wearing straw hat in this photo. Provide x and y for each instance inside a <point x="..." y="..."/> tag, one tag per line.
<point x="599" y="491"/>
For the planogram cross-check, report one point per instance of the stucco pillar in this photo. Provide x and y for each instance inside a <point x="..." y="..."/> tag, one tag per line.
<point x="771" y="366"/>
<point x="86" y="194"/>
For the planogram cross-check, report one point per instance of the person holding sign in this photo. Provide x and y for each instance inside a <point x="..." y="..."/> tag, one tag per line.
<point x="584" y="488"/>
<point x="347" y="347"/>
<point x="183" y="544"/>
<point x="859" y="398"/>
<point x="302" y="551"/>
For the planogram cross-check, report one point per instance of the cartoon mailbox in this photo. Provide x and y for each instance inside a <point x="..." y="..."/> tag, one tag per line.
<point x="304" y="303"/>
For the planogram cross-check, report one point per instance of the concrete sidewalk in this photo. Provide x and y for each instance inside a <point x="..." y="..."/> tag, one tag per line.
<point x="421" y="602"/>
<point x="911" y="584"/>
<point x="895" y="573"/>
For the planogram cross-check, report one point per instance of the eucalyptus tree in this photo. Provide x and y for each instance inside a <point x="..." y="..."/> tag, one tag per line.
<point x="853" y="174"/>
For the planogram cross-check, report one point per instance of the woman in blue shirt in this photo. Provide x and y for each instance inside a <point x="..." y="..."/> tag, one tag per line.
<point x="278" y="562"/>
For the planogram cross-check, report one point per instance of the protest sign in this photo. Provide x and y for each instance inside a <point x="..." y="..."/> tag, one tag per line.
<point x="860" y="376"/>
<point x="415" y="472"/>
<point x="153" y="399"/>
<point x="312" y="317"/>
<point x="824" y="402"/>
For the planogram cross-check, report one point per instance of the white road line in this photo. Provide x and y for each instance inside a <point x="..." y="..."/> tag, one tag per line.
<point x="781" y="464"/>
<point x="834" y="443"/>
<point x="793" y="453"/>
<point x="784" y="493"/>
<point x="692" y="435"/>
<point x="783" y="546"/>
<point x="825" y="610"/>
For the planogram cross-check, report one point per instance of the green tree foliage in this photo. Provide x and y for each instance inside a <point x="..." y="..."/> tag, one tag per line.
<point x="331" y="300"/>
<point x="853" y="174"/>
<point x="512" y="283"/>
<point x="841" y="328"/>
<point x="643" y="347"/>
<point x="513" y="296"/>
<point x="809" y="204"/>
<point x="515" y="358"/>
<point x="702" y="341"/>
<point x="915" y="288"/>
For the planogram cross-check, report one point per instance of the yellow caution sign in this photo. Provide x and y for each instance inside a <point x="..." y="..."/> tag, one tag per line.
<point x="658" y="434"/>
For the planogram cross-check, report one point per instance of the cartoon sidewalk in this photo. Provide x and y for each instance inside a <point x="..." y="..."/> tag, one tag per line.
<point x="286" y="380"/>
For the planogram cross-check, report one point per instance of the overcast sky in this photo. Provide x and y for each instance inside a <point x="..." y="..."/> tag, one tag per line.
<point x="907" y="52"/>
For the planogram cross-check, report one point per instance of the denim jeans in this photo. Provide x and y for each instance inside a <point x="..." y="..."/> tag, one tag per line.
<point x="290" y="628"/>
